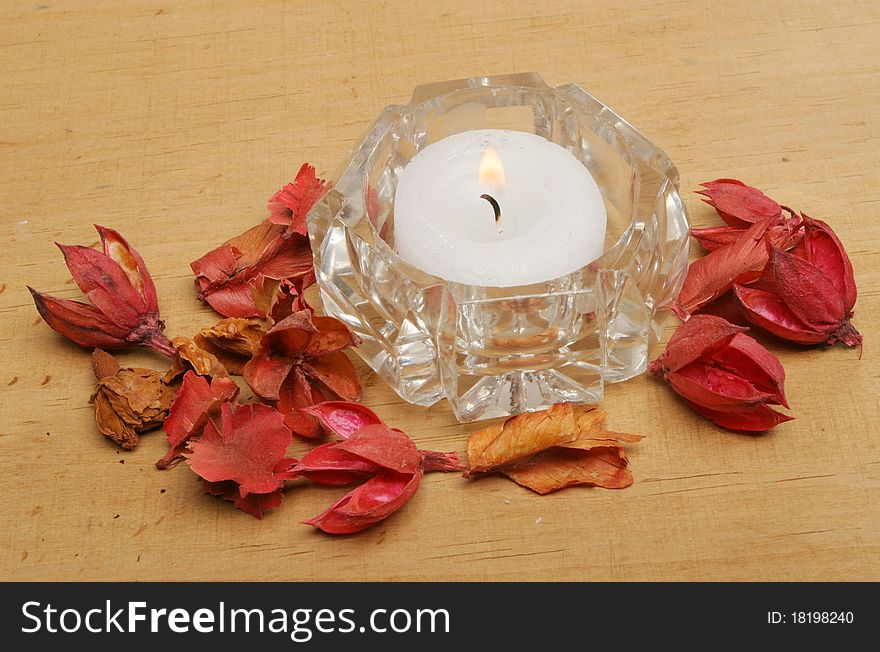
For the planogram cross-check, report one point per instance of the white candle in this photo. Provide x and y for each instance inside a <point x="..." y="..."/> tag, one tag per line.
<point x="552" y="217"/>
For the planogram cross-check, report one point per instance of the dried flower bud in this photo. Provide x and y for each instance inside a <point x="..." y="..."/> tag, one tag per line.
<point x="723" y="374"/>
<point x="124" y="310"/>
<point x="128" y="401"/>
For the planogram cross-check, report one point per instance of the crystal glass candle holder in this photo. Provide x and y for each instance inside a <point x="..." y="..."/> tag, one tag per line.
<point x="494" y="351"/>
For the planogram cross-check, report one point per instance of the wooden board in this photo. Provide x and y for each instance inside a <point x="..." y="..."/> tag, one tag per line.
<point x="174" y="122"/>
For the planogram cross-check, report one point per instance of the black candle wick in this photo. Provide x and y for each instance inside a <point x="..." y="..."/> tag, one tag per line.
<point x="495" y="207"/>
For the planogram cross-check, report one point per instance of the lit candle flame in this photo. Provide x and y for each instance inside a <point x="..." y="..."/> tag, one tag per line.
<point x="491" y="169"/>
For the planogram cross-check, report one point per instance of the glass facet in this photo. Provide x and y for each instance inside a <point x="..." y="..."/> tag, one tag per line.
<point x="491" y="351"/>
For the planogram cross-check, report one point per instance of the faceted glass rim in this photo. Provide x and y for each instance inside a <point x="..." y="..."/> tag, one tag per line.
<point x="426" y="94"/>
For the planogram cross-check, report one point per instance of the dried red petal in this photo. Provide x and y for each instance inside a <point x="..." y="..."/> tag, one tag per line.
<point x="290" y="205"/>
<point x="241" y="277"/>
<point x="194" y="404"/>
<point x="290" y="298"/>
<point x="715" y="388"/>
<point x="696" y="336"/>
<point x="369" y="503"/>
<point x="760" y="419"/>
<point x="247" y="447"/>
<point x="766" y="309"/>
<point x="297" y="393"/>
<point x="823" y="248"/>
<point x="739" y="204"/>
<point x="807" y="292"/>
<point x="329" y="465"/>
<point x="79" y="322"/>
<point x="343" y="418"/>
<point x="714" y="274"/>
<point x="386" y="447"/>
<point x="784" y="234"/>
<point x="254" y="504"/>
<point x="105" y="283"/>
<point x="744" y="357"/>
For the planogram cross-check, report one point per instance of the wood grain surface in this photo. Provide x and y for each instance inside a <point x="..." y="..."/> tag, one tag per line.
<point x="175" y="121"/>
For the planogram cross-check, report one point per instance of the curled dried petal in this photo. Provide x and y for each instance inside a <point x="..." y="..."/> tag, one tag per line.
<point x="197" y="400"/>
<point x="373" y="501"/>
<point x="343" y="418"/>
<point x="190" y="356"/>
<point x="524" y="435"/>
<point x="738" y="204"/>
<point x="329" y="465"/>
<point x="233" y="341"/>
<point x="558" y="468"/>
<point x="241" y="277"/>
<point x="760" y="419"/>
<point x="714" y="274"/>
<point x="386" y="447"/>
<point x="290" y="205"/>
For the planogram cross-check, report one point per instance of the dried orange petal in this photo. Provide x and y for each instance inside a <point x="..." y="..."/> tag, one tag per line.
<point x="526" y="434"/>
<point x="558" y="468"/>
<point x="233" y="341"/>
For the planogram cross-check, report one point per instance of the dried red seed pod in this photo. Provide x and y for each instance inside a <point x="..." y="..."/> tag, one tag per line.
<point x="744" y="357"/>
<point x="766" y="309"/>
<point x="723" y="374"/>
<point x="373" y="501"/>
<point x="821" y="247"/>
<point x="797" y="301"/>
<point x="124" y="310"/>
